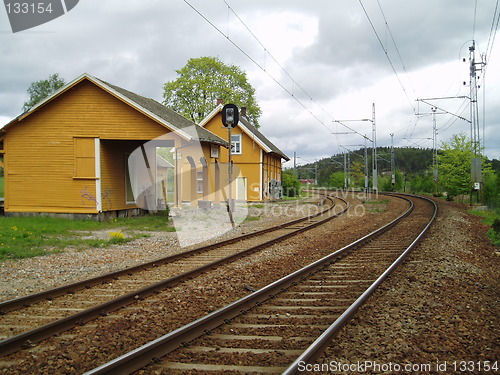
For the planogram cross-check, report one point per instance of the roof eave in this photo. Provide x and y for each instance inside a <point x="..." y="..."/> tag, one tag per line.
<point x="158" y="119"/>
<point x="211" y="115"/>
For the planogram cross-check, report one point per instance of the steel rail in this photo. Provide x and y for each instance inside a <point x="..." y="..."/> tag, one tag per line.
<point x="25" y="339"/>
<point x="322" y="342"/>
<point x="142" y="356"/>
<point x="25" y="301"/>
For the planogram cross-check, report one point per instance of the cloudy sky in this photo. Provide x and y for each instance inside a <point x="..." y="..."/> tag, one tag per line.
<point x="332" y="63"/>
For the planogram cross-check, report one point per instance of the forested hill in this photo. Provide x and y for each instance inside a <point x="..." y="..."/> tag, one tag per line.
<point x="408" y="160"/>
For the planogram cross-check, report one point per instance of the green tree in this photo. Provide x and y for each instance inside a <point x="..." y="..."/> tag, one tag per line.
<point x="491" y="190"/>
<point x="454" y="165"/>
<point x="399" y="184"/>
<point x="202" y="81"/>
<point x="290" y="183"/>
<point x="423" y="183"/>
<point x="39" y="90"/>
<point x="386" y="182"/>
<point x="358" y="173"/>
<point x="337" y="180"/>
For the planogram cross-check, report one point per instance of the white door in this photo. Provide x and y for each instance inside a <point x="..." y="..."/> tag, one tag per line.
<point x="241" y="188"/>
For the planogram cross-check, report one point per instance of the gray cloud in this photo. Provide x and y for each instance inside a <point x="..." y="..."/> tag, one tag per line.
<point x="139" y="45"/>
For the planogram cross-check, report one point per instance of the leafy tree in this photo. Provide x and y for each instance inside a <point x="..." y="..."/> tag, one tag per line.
<point x="337" y="180"/>
<point x="491" y="190"/>
<point x="39" y="90"/>
<point x="454" y="165"/>
<point x="422" y="184"/>
<point x="386" y="182"/>
<point x="202" y="81"/>
<point x="290" y="183"/>
<point x="358" y="173"/>
<point x="399" y="184"/>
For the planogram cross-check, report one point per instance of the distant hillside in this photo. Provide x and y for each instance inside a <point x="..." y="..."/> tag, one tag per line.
<point x="409" y="160"/>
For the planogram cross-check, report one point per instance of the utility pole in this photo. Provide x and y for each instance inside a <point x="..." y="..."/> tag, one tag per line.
<point x="374" y="151"/>
<point x="366" y="167"/>
<point x="346" y="176"/>
<point x="393" y="172"/>
<point x="349" y="162"/>
<point x="442" y="111"/>
<point x="316" y="173"/>
<point x="373" y="140"/>
<point x="476" y="168"/>
<point x="474" y="108"/>
<point x="434" y="144"/>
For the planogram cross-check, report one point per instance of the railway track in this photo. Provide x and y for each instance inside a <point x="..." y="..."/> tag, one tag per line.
<point x="290" y="321"/>
<point x="30" y="319"/>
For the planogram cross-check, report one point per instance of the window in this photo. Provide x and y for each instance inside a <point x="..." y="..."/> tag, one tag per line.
<point x="85" y="160"/>
<point x="236" y="144"/>
<point x="199" y="182"/>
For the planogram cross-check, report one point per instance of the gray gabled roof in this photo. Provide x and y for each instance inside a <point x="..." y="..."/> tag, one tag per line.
<point x="255" y="132"/>
<point x="251" y="131"/>
<point x="170" y="116"/>
<point x="162" y="114"/>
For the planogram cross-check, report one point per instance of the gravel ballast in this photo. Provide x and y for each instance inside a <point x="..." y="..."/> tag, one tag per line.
<point x="439" y="313"/>
<point x="441" y="305"/>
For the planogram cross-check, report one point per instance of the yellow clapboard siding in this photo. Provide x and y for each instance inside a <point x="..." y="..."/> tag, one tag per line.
<point x="250" y="163"/>
<point x="42" y="159"/>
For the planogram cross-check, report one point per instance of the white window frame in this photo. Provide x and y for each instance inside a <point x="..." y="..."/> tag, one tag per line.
<point x="235" y="150"/>
<point x="199" y="182"/>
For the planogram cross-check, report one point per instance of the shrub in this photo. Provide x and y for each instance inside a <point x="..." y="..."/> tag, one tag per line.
<point x="496" y="226"/>
<point x="117" y="237"/>
<point x="291" y="183"/>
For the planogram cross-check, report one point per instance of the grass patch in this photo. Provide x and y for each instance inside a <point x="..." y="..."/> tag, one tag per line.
<point x="385" y="201"/>
<point x="490" y="218"/>
<point x="256" y="205"/>
<point x="373" y="206"/>
<point x="303" y="194"/>
<point x="252" y="218"/>
<point x="24" y="237"/>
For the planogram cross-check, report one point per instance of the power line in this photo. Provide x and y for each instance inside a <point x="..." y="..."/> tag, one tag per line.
<point x="263" y="68"/>
<point x="396" y="47"/>
<point x="474" y="23"/>
<point x="493" y="30"/>
<point x="387" y="55"/>
<point x="266" y="51"/>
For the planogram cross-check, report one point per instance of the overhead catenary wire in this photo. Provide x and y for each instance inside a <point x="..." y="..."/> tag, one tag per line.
<point x="387" y="56"/>
<point x="396" y="47"/>
<point x="288" y="91"/>
<point x="493" y="32"/>
<point x="474" y="22"/>
<point x="320" y="117"/>
<point x="263" y="68"/>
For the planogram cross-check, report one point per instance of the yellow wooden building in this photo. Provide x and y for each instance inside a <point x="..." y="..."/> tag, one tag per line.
<point x="257" y="160"/>
<point x="90" y="150"/>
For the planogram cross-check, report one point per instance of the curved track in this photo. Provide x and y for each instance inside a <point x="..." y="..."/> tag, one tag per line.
<point x="30" y="319"/>
<point x="290" y="320"/>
